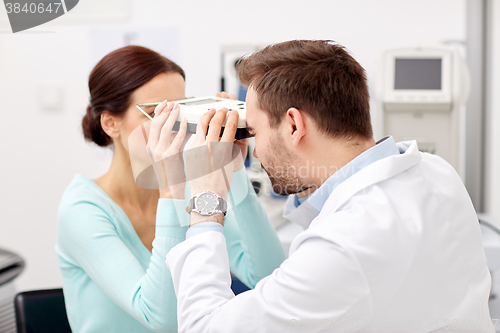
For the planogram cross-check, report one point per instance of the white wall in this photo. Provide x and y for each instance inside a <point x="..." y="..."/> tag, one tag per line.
<point x="492" y="183"/>
<point x="41" y="151"/>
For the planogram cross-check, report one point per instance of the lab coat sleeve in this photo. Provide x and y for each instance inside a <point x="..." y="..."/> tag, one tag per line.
<point x="87" y="235"/>
<point x="253" y="246"/>
<point x="204" y="227"/>
<point x="321" y="286"/>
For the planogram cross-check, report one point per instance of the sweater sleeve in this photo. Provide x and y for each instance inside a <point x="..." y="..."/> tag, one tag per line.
<point x="87" y="234"/>
<point x="253" y="247"/>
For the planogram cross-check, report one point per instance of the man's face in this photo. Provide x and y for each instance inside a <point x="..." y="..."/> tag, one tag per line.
<point x="273" y="150"/>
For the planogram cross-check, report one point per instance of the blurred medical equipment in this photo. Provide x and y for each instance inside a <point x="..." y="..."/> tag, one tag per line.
<point x="229" y="56"/>
<point x="11" y="265"/>
<point x="421" y="92"/>
<point x="194" y="108"/>
<point x="490" y="229"/>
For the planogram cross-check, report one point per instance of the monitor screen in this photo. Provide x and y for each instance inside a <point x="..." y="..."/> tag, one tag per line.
<point x="418" y="74"/>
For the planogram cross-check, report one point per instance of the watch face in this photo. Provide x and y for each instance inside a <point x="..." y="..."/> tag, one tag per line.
<point x="207" y="203"/>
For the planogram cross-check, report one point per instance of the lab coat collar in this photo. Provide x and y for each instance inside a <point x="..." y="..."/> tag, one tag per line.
<point x="301" y="215"/>
<point x="308" y="210"/>
<point x="374" y="173"/>
<point x="384" y="148"/>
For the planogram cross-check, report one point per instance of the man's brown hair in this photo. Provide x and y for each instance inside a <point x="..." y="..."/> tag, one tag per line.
<point x="315" y="76"/>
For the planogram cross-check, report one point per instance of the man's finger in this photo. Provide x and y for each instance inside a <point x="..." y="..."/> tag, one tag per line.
<point x="216" y="125"/>
<point x="202" y="128"/>
<point x="231" y="127"/>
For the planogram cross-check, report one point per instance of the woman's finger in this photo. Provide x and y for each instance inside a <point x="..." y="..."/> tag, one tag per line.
<point x="153" y="130"/>
<point x="231" y="127"/>
<point x="169" y="124"/>
<point x="233" y="96"/>
<point x="216" y="125"/>
<point x="160" y="107"/>
<point x="156" y="126"/>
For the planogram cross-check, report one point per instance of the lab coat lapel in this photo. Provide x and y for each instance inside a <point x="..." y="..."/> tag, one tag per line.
<point x="301" y="215"/>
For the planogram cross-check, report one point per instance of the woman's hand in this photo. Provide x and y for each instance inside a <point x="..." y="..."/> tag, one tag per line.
<point x="165" y="149"/>
<point x="243" y="143"/>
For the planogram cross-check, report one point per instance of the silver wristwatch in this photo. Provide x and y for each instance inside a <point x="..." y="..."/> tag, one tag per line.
<point x="207" y="203"/>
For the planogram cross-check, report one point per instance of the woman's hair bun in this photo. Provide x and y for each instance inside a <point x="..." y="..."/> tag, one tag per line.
<point x="92" y="129"/>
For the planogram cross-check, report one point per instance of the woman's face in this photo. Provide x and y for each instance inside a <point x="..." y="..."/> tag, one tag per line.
<point x="165" y="86"/>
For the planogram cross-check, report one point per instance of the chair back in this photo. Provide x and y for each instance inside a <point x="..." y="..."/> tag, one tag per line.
<point x="41" y="311"/>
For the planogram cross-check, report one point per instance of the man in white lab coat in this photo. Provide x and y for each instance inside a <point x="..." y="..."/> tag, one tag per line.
<point x="394" y="244"/>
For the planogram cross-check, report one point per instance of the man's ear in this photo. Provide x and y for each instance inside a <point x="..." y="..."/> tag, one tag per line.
<point x="109" y="124"/>
<point x="296" y="125"/>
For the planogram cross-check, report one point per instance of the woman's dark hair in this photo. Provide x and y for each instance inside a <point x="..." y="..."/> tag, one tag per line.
<point x="114" y="79"/>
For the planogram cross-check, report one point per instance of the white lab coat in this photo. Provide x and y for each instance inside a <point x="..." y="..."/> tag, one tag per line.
<point x="301" y="215"/>
<point x="396" y="248"/>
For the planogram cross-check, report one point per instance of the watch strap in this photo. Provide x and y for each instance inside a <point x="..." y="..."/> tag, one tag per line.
<point x="191" y="204"/>
<point x="223" y="206"/>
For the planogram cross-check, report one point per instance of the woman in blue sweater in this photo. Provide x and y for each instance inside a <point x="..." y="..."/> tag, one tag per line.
<point x="113" y="236"/>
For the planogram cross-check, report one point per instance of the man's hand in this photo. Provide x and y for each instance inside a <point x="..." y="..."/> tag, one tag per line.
<point x="210" y="160"/>
<point x="243" y="143"/>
